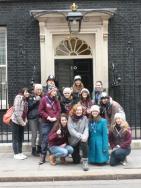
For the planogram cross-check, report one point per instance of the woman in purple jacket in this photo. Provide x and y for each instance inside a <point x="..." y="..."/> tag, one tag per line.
<point x="58" y="140"/>
<point x="49" y="111"/>
<point x="120" y="140"/>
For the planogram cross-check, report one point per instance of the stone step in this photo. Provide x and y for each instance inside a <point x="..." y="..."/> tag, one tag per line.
<point x="7" y="147"/>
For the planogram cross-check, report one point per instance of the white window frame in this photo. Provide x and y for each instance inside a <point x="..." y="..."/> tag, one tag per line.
<point x="4" y="102"/>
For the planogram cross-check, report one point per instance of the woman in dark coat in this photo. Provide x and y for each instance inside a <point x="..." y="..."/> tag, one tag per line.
<point x="49" y="111"/>
<point x="77" y="87"/>
<point x="67" y="101"/>
<point x="85" y="101"/>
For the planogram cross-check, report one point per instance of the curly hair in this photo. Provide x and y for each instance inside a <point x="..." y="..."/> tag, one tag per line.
<point x="74" y="108"/>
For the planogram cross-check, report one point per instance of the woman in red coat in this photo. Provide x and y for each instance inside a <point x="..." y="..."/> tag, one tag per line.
<point x="49" y="111"/>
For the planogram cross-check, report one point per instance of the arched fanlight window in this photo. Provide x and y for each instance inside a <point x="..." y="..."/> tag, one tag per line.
<point x="73" y="46"/>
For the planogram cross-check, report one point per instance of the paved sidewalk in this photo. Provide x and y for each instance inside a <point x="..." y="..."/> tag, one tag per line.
<point x="29" y="170"/>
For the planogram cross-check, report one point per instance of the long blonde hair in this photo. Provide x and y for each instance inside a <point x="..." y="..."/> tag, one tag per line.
<point x="77" y="88"/>
<point x="124" y="125"/>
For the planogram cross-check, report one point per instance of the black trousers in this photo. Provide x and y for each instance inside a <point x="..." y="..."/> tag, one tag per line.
<point x="17" y="137"/>
<point x="76" y="153"/>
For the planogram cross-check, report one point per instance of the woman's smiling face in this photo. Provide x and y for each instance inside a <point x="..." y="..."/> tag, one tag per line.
<point x="63" y="121"/>
<point x="95" y="113"/>
<point x="79" y="111"/>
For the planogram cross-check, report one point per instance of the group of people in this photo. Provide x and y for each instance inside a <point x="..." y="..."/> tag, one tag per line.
<point x="71" y="122"/>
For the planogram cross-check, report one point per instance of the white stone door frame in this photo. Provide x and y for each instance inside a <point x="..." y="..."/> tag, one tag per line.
<point x="95" y="23"/>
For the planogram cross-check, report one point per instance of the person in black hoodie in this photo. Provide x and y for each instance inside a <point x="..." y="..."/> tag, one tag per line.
<point x="33" y="118"/>
<point x="67" y="100"/>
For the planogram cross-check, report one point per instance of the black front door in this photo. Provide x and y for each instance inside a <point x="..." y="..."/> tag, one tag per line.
<point x="65" y="70"/>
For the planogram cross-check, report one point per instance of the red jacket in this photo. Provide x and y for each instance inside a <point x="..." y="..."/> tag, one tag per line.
<point x="123" y="139"/>
<point x="56" y="140"/>
<point x="49" y="107"/>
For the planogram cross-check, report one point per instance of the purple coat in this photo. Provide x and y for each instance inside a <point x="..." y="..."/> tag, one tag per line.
<point x="49" y="107"/>
<point x="56" y="140"/>
<point x="122" y="138"/>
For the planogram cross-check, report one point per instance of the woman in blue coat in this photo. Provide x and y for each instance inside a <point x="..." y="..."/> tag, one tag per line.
<point x="98" y="138"/>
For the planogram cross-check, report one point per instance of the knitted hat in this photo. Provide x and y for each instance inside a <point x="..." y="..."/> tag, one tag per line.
<point x="52" y="88"/>
<point x="95" y="108"/>
<point x="85" y="90"/>
<point x="77" y="77"/>
<point x="119" y="115"/>
<point x="67" y="90"/>
<point x="104" y="95"/>
<point x="51" y="77"/>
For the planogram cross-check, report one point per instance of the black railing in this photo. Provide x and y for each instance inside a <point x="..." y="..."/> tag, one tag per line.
<point x="6" y="131"/>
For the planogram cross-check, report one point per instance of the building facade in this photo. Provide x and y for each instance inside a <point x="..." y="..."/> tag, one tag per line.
<point x="35" y="42"/>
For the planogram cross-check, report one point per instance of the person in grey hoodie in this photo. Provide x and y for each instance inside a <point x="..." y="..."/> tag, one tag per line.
<point x="78" y="130"/>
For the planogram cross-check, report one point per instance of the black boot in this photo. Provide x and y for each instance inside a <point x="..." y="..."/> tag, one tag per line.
<point x="34" y="152"/>
<point x="42" y="159"/>
<point x="38" y="149"/>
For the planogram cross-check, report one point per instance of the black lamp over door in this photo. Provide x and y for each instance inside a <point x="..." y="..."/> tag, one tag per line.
<point x="74" y="19"/>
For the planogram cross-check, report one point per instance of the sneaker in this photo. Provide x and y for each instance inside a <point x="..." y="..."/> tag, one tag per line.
<point x="18" y="157"/>
<point x="23" y="156"/>
<point x="85" y="165"/>
<point x="123" y="163"/>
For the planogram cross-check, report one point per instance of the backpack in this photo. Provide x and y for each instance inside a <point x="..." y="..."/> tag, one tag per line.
<point x="7" y="116"/>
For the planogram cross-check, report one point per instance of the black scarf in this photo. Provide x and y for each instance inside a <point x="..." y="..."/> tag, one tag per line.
<point x="76" y="118"/>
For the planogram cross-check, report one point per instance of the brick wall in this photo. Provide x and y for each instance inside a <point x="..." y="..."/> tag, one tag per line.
<point x="124" y="46"/>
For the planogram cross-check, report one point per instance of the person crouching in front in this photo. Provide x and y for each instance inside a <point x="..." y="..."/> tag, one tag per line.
<point x="58" y="141"/>
<point x="120" y="140"/>
<point x="78" y="129"/>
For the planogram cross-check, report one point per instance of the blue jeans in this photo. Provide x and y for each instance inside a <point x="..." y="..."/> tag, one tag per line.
<point x="118" y="156"/>
<point x="59" y="151"/>
<point x="45" y="130"/>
